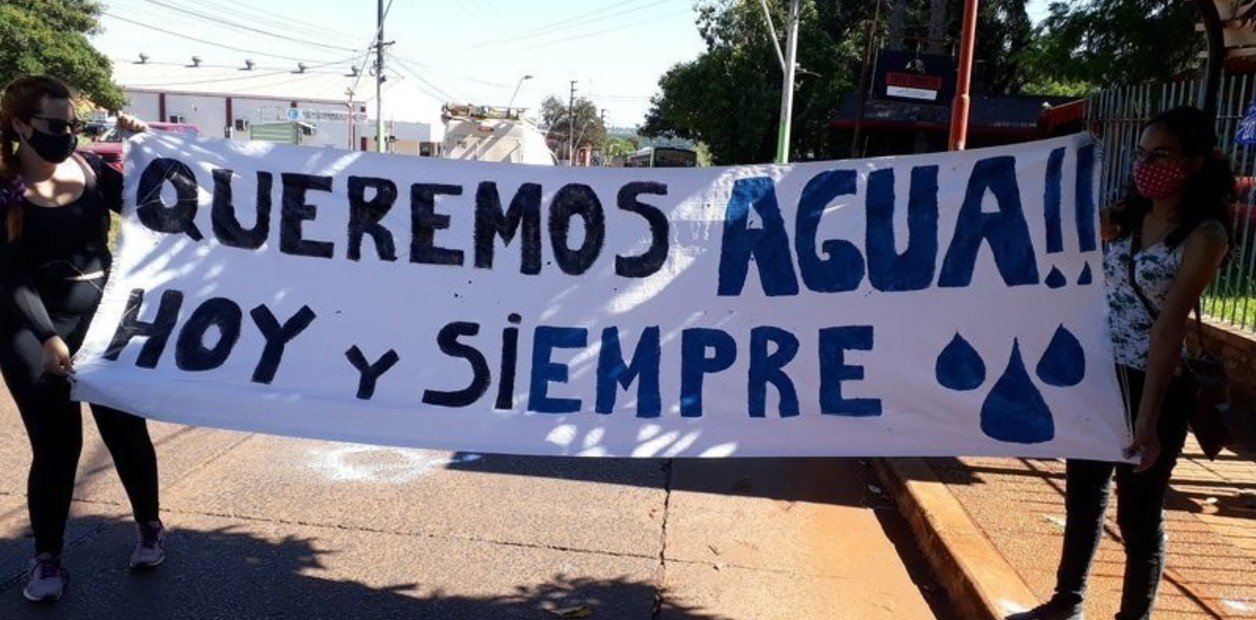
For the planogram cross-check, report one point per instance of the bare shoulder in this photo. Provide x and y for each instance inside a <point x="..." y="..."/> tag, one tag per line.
<point x="90" y="163"/>
<point x="1210" y="234"/>
<point x="1208" y="243"/>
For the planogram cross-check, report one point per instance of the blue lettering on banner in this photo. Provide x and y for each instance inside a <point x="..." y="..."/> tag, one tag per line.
<point x="1006" y="231"/>
<point x="768" y="247"/>
<point x="912" y="270"/>
<point x="768" y="368"/>
<point x="843" y="270"/>
<point x="544" y="371"/>
<point x="643" y="369"/>
<point x="696" y="364"/>
<point x="834" y="343"/>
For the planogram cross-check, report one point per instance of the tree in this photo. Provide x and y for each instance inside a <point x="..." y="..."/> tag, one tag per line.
<point x="50" y="36"/>
<point x="1004" y="32"/>
<point x="729" y="97"/>
<point x="1115" y="42"/>
<point x="584" y="122"/>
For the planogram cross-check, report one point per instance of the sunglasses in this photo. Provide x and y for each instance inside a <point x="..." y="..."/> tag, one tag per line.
<point x="57" y="125"/>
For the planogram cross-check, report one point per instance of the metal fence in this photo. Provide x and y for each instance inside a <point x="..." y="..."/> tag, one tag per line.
<point x="1117" y="116"/>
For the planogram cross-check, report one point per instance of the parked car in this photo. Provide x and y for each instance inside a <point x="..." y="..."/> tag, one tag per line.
<point x="109" y="145"/>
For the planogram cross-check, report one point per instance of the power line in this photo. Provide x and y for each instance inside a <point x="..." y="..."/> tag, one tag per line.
<point x="379" y="29"/>
<point x="250" y="76"/>
<point x="203" y="41"/>
<point x="439" y="91"/>
<point x="576" y="20"/>
<point x="608" y="30"/>
<point x="279" y="20"/>
<point x="456" y="76"/>
<point x="222" y="22"/>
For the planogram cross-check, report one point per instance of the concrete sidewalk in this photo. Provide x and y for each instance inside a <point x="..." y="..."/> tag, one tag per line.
<point x="993" y="530"/>
<point x="272" y="527"/>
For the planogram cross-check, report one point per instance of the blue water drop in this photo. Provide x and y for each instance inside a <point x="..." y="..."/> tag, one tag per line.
<point x="1064" y="362"/>
<point x="1087" y="277"/>
<point x="1014" y="411"/>
<point x="1056" y="278"/>
<point x="959" y="366"/>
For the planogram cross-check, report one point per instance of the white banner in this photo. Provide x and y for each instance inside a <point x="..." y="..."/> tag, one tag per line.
<point x="945" y="304"/>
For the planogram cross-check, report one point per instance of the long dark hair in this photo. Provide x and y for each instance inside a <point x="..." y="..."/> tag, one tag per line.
<point x="1208" y="192"/>
<point x="21" y="100"/>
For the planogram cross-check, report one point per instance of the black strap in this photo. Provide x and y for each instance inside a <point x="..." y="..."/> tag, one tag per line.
<point x="1136" y="242"/>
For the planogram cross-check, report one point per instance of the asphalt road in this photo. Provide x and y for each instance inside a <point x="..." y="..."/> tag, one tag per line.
<point x="272" y="527"/>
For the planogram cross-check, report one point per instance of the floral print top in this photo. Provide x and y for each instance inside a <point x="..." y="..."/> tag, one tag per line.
<point x="1129" y="323"/>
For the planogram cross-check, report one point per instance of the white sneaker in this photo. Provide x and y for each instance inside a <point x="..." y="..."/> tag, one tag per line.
<point x="150" y="546"/>
<point x="45" y="580"/>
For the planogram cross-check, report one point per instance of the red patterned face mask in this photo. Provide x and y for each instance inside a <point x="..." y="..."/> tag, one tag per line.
<point x="1163" y="179"/>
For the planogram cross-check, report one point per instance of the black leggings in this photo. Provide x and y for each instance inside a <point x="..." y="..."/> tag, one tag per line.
<point x="1140" y="507"/>
<point x="54" y="425"/>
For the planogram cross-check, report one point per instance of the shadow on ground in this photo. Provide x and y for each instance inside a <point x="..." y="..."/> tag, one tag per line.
<point x="814" y="480"/>
<point x="229" y="573"/>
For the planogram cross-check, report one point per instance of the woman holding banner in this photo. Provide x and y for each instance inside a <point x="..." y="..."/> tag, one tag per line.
<point x="1165" y="243"/>
<point x="54" y="258"/>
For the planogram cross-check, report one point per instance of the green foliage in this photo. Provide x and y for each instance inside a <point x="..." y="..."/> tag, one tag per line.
<point x="1003" y="33"/>
<point x="50" y="36"/>
<point x="1114" y="42"/>
<point x="584" y="121"/>
<point x="729" y="97"/>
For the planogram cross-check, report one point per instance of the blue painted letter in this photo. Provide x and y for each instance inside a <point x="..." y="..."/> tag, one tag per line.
<point x="769" y="246"/>
<point x="644" y="369"/>
<point x="913" y="269"/>
<point x="767" y="368"/>
<point x="544" y="341"/>
<point x="694" y="364"/>
<point x="834" y="342"/>
<point x="1005" y="231"/>
<point x="843" y="270"/>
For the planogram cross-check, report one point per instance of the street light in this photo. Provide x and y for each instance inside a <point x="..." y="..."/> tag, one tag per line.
<point x="517" y="87"/>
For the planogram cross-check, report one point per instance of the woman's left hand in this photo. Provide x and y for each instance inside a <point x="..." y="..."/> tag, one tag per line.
<point x="1146" y="445"/>
<point x="132" y="124"/>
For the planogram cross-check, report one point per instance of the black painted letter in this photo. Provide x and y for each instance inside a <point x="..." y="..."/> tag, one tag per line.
<point x="227" y="226"/>
<point x="652" y="259"/>
<point x="364" y="216"/>
<point x="449" y="345"/>
<point x="277" y="337"/>
<point x="296" y="211"/>
<point x="156" y="333"/>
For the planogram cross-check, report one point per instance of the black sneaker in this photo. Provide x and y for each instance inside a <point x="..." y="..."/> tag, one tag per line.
<point x="150" y="546"/>
<point x="1054" y="609"/>
<point x="45" y="579"/>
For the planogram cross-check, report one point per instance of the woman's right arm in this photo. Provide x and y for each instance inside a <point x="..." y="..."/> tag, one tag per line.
<point x="17" y="285"/>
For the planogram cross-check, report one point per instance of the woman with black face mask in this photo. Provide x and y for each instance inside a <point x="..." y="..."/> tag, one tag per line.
<point x="54" y="258"/>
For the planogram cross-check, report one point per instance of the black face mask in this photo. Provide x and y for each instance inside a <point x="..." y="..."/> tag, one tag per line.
<point x="53" y="148"/>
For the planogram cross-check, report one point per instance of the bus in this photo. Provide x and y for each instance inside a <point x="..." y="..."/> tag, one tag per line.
<point x="662" y="157"/>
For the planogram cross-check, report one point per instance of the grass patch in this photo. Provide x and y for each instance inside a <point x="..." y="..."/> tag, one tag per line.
<point x="1232" y="298"/>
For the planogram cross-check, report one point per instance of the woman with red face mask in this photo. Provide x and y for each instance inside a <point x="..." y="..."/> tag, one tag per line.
<point x="54" y="258"/>
<point x="1174" y="228"/>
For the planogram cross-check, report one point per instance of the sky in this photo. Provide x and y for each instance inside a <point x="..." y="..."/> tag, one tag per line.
<point x="469" y="51"/>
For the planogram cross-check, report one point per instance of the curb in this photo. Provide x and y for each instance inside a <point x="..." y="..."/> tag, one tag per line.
<point x="979" y="582"/>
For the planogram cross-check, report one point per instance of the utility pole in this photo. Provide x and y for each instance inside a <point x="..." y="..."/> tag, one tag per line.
<point x="571" y="126"/>
<point x="787" y="86"/>
<point x="959" y="108"/>
<point x="379" y="79"/>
